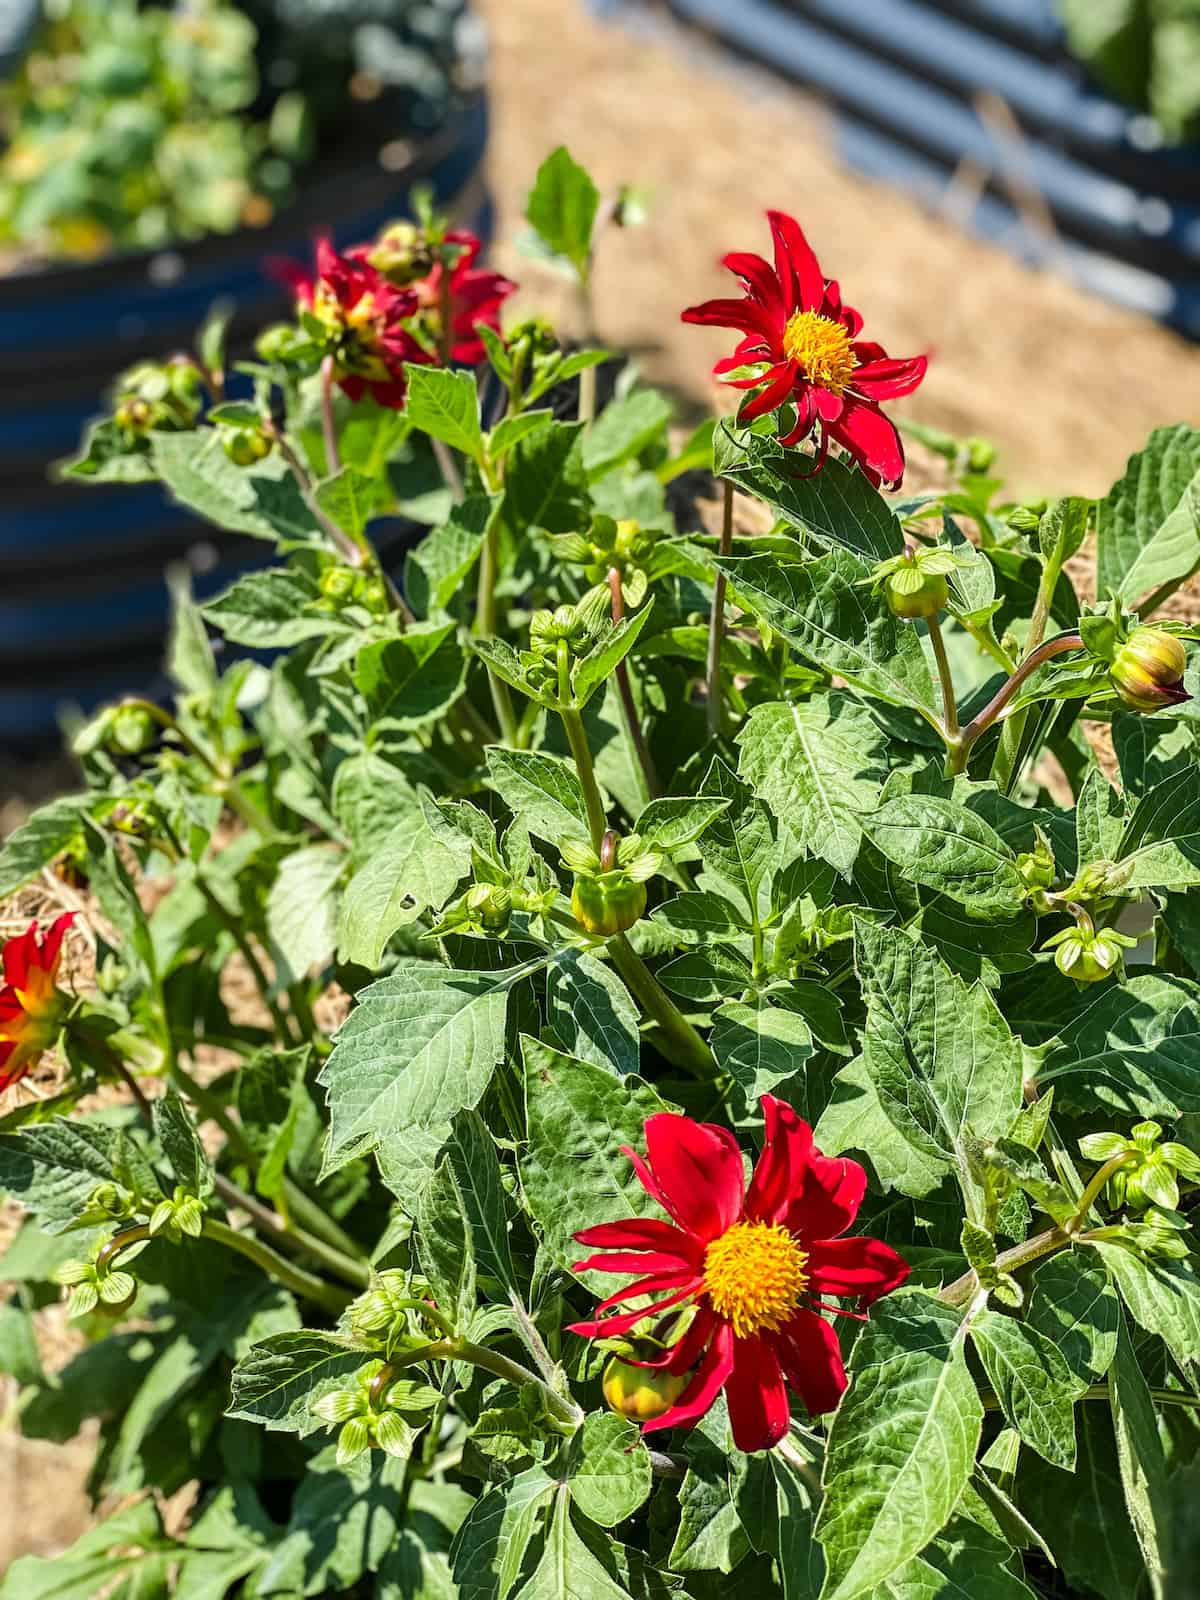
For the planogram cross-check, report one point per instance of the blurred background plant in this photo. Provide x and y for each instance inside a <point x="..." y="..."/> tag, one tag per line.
<point x="131" y="127"/>
<point x="1146" y="52"/>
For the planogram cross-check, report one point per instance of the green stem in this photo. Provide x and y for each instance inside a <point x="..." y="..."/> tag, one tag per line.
<point x="109" y="1252"/>
<point x="716" y="622"/>
<point x="983" y="638"/>
<point x="454" y="1349"/>
<point x="981" y="723"/>
<point x="577" y="739"/>
<point x="946" y="679"/>
<point x="485" y="628"/>
<point x="633" y="725"/>
<point x="333" y="461"/>
<point x="1010" y="734"/>
<point x="350" y="1269"/>
<point x="1095" y="1188"/>
<point x="683" y="1045"/>
<point x="305" y="1284"/>
<point x="309" y="1216"/>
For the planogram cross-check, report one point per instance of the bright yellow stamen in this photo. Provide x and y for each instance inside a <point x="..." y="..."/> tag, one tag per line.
<point x="822" y="347"/>
<point x="754" y="1275"/>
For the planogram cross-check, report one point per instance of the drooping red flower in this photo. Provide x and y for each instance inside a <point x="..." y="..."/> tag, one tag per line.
<point x="30" y="1004"/>
<point x="363" y="319"/>
<point x="803" y="346"/>
<point x="476" y="296"/>
<point x="751" y="1265"/>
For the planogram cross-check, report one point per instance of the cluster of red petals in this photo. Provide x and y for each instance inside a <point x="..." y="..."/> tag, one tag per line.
<point x="694" y="1171"/>
<point x="28" y="999"/>
<point x="853" y="418"/>
<point x="371" y="314"/>
<point x="475" y="297"/>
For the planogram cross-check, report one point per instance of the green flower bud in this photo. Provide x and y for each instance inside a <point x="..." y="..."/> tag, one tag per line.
<point x="1027" y="517"/>
<point x="1147" y="671"/>
<point x="279" y="342"/>
<point x="1036" y="866"/>
<point x="981" y="453"/>
<point x="374" y="596"/>
<point x="402" y="254"/>
<point x="490" y="907"/>
<point x="532" y="338"/>
<point x="641" y="1393"/>
<point x="338" y="583"/>
<point x="911" y="593"/>
<point x="245" y="446"/>
<point x="131" y="730"/>
<point x="607" y="904"/>
<point x="1089" y="956"/>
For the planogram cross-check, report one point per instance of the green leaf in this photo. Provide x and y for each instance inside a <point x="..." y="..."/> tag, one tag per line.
<point x="1099" y="819"/>
<point x="127" y="1557"/>
<point x="801" y="1559"/>
<point x="706" y="976"/>
<point x="568" y="1570"/>
<point x="266" y="610"/>
<point x="415" y="868"/>
<point x="623" y="430"/>
<point x="838" y="506"/>
<point x="603" y="658"/>
<point x="545" y="484"/>
<point x="106" y="457"/>
<point x="489" y="1553"/>
<point x="176" y="1132"/>
<point x="190" y="662"/>
<point x="763" y="1047"/>
<point x="1163" y="1296"/>
<point x="444" y="403"/>
<point x="572" y="1171"/>
<point x="434" y="571"/>
<point x="1148" y="526"/>
<point x="698" y="918"/>
<point x="410" y="681"/>
<point x="1132" y="1047"/>
<point x="739" y="844"/>
<point x="1141" y="1459"/>
<point x="419" y="1046"/>
<point x="608" y="1469"/>
<point x="940" y="1055"/>
<point x="855" y="1120"/>
<point x="510" y="430"/>
<point x="302" y="908"/>
<point x="470" y="1156"/>
<point x="351" y="499"/>
<point x="264" y="501"/>
<point x="39" y="840"/>
<point x="1161" y="845"/>
<point x="278" y="1381"/>
<point x="1036" y="1388"/>
<point x="1083" y="1514"/>
<point x="344" y="1521"/>
<point x="950" y="850"/>
<point x="542" y="790"/>
<point x="669" y="824"/>
<point x="562" y="208"/>
<point x="818" y="764"/>
<point x="711" y="1533"/>
<point x="444" y="1245"/>
<point x="901" y="1445"/>
<point x="53" y="1168"/>
<point x="591" y="1012"/>
<point x="821" y="609"/>
<point x="1064" y="528"/>
<point x="1076" y="1307"/>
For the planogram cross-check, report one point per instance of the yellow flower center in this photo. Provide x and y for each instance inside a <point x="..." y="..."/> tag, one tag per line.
<point x="754" y="1276"/>
<point x="822" y="347"/>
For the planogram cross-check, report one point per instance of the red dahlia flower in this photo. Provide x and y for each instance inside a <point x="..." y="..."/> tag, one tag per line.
<point x="476" y="296"/>
<point x="30" y="1005"/>
<point x="751" y="1263"/>
<point x="803" y="345"/>
<point x="363" y="319"/>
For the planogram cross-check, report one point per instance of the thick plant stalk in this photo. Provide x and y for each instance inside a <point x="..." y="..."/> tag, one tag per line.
<point x="333" y="461"/>
<point x="981" y="723"/>
<point x="577" y="739"/>
<point x="716" y="622"/>
<point x="305" y="1284"/>
<point x="686" y="1048"/>
<point x="945" y="678"/>
<point x="633" y="725"/>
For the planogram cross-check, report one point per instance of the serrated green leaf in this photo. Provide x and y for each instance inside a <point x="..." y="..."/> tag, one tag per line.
<point x="1163" y="1296"/>
<point x="1160" y="848"/>
<point x="1141" y="1460"/>
<point x="540" y="789"/>
<point x="415" y="868"/>
<point x="444" y="403"/>
<point x="278" y="1381"/>
<point x="489" y="1552"/>
<point x="545" y="484"/>
<point x="410" y="681"/>
<point x="951" y="850"/>
<point x="668" y="824"/>
<point x="901" y="1445"/>
<point x="592" y="1012"/>
<point x="608" y="1469"/>
<point x="264" y="501"/>
<point x="434" y="571"/>
<point x="763" y="1047"/>
<point x="176" y="1132"/>
<point x="266" y="610"/>
<point x="562" y="208"/>
<point x="1076" y="1307"/>
<point x="39" y="840"/>
<point x="1036" y="1388"/>
<point x="624" y="429"/>
<point x="302" y="908"/>
<point x="1148" y="526"/>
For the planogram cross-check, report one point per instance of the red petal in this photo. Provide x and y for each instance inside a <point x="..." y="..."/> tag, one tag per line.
<point x="745" y="315"/>
<point x="783" y="1161"/>
<point x="889" y="379"/>
<point x="638" y="1233"/>
<point x="827" y="1200"/>
<point x="775" y="393"/>
<point x="21" y="953"/>
<point x="757" y="1396"/>
<point x="871" y="439"/>
<point x="797" y="266"/>
<point x="866" y="351"/>
<point x="806" y="416"/>
<point x="810" y="1355"/>
<point x="698" y="1167"/>
<point x="851" y="321"/>
<point x="683" y="1355"/>
<point x="602" y="1327"/>
<point x="635" y="1261"/>
<point x="829" y="406"/>
<point x="759" y="279"/>
<point x="652" y="1283"/>
<point x="705" y="1386"/>
<point x="52" y="944"/>
<point x="866" y="1268"/>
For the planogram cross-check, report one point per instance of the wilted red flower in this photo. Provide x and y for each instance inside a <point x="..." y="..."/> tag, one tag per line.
<point x="363" y="319"/>
<point x="803" y="346"/>
<point x="30" y="1005"/>
<point x="476" y="296"/>
<point x="752" y="1265"/>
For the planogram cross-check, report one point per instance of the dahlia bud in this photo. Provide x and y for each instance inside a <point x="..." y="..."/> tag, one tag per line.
<point x="1036" y="866"/>
<point x="245" y="446"/>
<point x="373" y="595"/>
<point x="1147" y="670"/>
<point x="490" y="907"/>
<point x="641" y="1393"/>
<point x="279" y="341"/>
<point x="911" y="593"/>
<point x="338" y="583"/>
<point x="402" y="254"/>
<point x="1088" y="955"/>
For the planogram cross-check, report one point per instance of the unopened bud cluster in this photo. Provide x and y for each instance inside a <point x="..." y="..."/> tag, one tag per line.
<point x="1150" y="1172"/>
<point x="157" y="396"/>
<point x="610" y="884"/>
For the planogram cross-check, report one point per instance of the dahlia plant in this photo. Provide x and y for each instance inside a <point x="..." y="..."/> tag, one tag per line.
<point x="649" y="1048"/>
